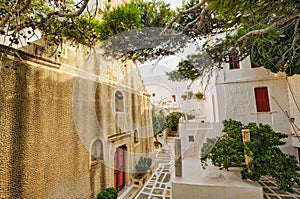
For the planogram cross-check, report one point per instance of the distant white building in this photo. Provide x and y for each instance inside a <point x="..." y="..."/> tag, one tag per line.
<point x="166" y="94"/>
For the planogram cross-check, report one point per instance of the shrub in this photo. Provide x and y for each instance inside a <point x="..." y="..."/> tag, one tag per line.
<point x="267" y="158"/>
<point x="108" y="193"/>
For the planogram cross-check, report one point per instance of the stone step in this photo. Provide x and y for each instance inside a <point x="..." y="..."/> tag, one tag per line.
<point x="130" y="192"/>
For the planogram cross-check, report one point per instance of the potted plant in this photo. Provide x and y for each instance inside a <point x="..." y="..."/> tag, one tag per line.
<point x="190" y="95"/>
<point x="199" y="96"/>
<point x="143" y="165"/>
<point x="108" y="193"/>
<point x="172" y="121"/>
<point x="184" y="97"/>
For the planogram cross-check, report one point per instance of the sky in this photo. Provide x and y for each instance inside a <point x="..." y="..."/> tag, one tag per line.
<point x="174" y="3"/>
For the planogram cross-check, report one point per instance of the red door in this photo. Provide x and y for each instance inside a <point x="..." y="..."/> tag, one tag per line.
<point x="119" y="168"/>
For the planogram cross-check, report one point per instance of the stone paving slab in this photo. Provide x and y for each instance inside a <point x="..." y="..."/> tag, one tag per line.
<point x="272" y="192"/>
<point x="158" y="186"/>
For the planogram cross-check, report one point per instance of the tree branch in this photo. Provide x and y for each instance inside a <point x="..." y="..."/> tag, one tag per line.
<point x="296" y="30"/>
<point x="76" y="13"/>
<point x="190" y="24"/>
<point x="292" y="48"/>
<point x="268" y="29"/>
<point x="13" y="10"/>
<point x="202" y="16"/>
<point x="27" y="4"/>
<point x="184" y="12"/>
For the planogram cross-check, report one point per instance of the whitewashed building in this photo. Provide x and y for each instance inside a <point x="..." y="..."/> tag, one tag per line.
<point x="244" y="92"/>
<point x="248" y="93"/>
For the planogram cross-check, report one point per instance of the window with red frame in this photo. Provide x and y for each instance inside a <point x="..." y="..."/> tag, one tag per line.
<point x="234" y="62"/>
<point x="262" y="99"/>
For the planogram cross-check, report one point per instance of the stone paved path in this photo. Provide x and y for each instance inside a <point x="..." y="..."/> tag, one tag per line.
<point x="159" y="185"/>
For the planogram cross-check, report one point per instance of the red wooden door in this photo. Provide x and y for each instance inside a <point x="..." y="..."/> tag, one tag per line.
<point x="119" y="168"/>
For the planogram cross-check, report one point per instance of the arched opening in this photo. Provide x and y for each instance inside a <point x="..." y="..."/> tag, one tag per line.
<point x="135" y="136"/>
<point x="96" y="151"/>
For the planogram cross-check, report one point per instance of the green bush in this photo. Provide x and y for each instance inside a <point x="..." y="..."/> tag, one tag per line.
<point x="267" y="158"/>
<point x="108" y="193"/>
<point x="172" y="120"/>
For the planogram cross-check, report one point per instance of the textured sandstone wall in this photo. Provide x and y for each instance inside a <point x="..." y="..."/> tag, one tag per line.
<point x="41" y="153"/>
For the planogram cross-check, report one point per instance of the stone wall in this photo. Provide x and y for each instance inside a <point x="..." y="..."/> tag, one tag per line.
<point x="42" y="154"/>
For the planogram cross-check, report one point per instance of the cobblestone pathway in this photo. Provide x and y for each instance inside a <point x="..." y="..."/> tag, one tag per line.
<point x="158" y="186"/>
<point x="272" y="192"/>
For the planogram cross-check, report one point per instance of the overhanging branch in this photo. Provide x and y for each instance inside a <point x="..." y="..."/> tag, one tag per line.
<point x="202" y="16"/>
<point x="268" y="29"/>
<point x="13" y="10"/>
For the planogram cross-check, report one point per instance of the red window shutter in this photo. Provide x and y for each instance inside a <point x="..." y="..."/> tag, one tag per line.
<point x="262" y="99"/>
<point x="174" y="97"/>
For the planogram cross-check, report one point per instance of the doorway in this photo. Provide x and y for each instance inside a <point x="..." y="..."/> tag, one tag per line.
<point x="119" y="167"/>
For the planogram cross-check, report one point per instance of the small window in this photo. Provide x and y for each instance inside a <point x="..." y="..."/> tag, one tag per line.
<point x="135" y="137"/>
<point x="234" y="61"/>
<point x="153" y="94"/>
<point x="119" y="101"/>
<point x="262" y="99"/>
<point x="38" y="50"/>
<point x="191" y="138"/>
<point x="97" y="151"/>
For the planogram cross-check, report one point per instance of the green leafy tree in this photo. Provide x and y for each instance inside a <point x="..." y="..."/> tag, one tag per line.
<point x="119" y="19"/>
<point x="266" y="30"/>
<point x="22" y="20"/>
<point x="75" y="21"/>
<point x="229" y="148"/>
<point x="132" y="16"/>
<point x="267" y="158"/>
